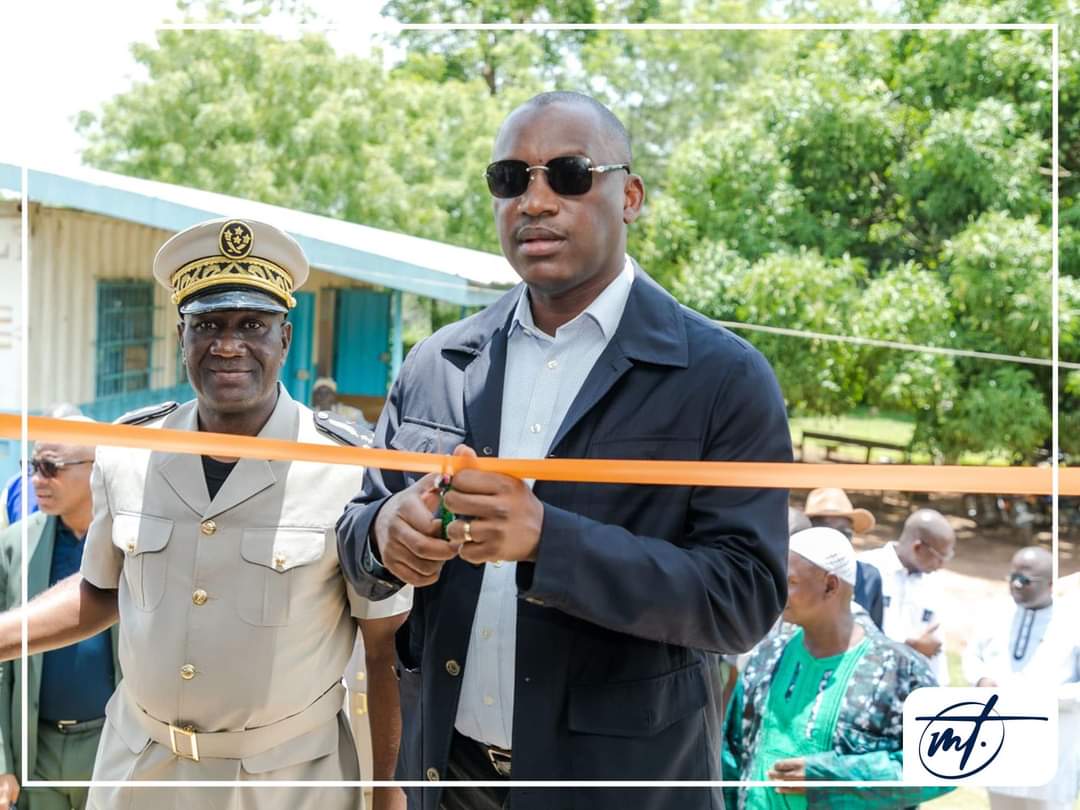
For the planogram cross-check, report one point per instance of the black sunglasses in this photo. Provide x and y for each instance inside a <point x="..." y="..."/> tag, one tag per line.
<point x="1023" y="580"/>
<point x="50" y="469"/>
<point x="569" y="176"/>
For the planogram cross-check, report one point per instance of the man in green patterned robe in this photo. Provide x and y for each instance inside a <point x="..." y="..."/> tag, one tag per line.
<point x="823" y="699"/>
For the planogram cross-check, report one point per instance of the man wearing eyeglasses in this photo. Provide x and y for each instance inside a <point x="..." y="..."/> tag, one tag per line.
<point x="911" y="595"/>
<point x="68" y="688"/>
<point x="559" y="634"/>
<point x="1034" y="645"/>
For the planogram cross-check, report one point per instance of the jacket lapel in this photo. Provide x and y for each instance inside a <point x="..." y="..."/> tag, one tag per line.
<point x="41" y="553"/>
<point x="651" y="330"/>
<point x="481" y="350"/>
<point x="37" y="580"/>
<point x="183" y="472"/>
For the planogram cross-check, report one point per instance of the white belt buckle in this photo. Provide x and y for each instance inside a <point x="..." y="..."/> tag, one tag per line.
<point x="189" y="732"/>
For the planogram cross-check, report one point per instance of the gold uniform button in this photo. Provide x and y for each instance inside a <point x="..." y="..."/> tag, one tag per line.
<point x="432" y="775"/>
<point x="199" y="597"/>
<point x="131" y="548"/>
<point x="453" y="667"/>
<point x="187" y="672"/>
<point x="208" y="527"/>
<point x="279" y="562"/>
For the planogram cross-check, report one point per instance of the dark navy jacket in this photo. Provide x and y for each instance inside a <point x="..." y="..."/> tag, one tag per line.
<point x="632" y="583"/>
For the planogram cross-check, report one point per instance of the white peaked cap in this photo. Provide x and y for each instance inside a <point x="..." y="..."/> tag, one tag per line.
<point x="827" y="549"/>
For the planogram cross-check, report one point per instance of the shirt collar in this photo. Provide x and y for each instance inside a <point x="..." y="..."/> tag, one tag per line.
<point x="605" y="311"/>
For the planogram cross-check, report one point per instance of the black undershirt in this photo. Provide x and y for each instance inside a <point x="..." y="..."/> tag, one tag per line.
<point x="216" y="472"/>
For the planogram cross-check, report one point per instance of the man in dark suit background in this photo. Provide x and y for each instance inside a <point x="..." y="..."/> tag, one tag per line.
<point x="560" y="634"/>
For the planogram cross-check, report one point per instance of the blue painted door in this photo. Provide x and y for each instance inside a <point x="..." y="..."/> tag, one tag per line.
<point x="299" y="371"/>
<point x="362" y="342"/>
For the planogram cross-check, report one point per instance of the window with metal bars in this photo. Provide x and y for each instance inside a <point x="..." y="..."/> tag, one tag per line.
<point x="125" y="336"/>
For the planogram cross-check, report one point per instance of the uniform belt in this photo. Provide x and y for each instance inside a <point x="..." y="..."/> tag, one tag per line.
<point x="189" y="743"/>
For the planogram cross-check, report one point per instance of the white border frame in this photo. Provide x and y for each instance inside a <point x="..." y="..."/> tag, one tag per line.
<point x="368" y="783"/>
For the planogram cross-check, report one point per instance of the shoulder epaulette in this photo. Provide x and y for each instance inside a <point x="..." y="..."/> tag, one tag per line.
<point x="342" y="430"/>
<point x="148" y="414"/>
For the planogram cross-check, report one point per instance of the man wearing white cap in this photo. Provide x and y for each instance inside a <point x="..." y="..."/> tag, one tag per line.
<point x="236" y="621"/>
<point x="824" y="700"/>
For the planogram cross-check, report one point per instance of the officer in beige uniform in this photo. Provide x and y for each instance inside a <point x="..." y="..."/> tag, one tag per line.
<point x="236" y="622"/>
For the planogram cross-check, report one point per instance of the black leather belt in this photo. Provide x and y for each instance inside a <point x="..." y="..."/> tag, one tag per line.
<point x="498" y="757"/>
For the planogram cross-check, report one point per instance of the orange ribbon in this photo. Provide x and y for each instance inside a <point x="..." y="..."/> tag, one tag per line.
<point x="898" y="477"/>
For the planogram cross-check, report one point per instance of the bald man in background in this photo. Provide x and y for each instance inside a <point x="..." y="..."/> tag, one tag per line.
<point x="911" y="595"/>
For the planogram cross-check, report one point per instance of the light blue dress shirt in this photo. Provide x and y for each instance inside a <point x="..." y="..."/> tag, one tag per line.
<point x="543" y="376"/>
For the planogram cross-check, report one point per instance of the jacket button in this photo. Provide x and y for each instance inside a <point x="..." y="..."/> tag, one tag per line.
<point x="487" y="451"/>
<point x="208" y="527"/>
<point x="453" y="667"/>
<point x="199" y="597"/>
<point x="187" y="672"/>
<point x="432" y="775"/>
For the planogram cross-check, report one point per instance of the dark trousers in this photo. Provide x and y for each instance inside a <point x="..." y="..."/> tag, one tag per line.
<point x="469" y="762"/>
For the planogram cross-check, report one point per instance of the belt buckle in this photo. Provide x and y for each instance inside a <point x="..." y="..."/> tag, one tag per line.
<point x="62" y="725"/>
<point x="500" y="761"/>
<point x="189" y="732"/>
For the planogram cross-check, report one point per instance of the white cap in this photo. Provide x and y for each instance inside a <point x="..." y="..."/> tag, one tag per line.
<point x="827" y="549"/>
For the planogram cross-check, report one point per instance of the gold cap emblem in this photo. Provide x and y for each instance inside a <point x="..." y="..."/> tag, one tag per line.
<point x="236" y="240"/>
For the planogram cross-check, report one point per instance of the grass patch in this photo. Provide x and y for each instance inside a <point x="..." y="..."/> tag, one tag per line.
<point x="873" y="425"/>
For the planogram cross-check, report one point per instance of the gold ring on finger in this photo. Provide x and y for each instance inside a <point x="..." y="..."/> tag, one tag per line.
<point x="466" y="529"/>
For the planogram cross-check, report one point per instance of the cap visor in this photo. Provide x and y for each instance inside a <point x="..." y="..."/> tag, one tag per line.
<point x="232" y="300"/>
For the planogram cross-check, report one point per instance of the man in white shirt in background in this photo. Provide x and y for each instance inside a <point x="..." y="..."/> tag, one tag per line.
<point x="911" y="594"/>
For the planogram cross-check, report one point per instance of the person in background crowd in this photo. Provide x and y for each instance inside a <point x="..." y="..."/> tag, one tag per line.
<point x="1034" y="644"/>
<point x="797" y="520"/>
<point x="831" y="507"/>
<point x="11" y="495"/>
<point x="68" y="688"/>
<point x="824" y="698"/>
<point x="324" y="397"/>
<point x="911" y="594"/>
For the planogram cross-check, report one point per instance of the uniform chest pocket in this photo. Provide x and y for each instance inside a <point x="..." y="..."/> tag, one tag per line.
<point x="143" y="540"/>
<point x="273" y="560"/>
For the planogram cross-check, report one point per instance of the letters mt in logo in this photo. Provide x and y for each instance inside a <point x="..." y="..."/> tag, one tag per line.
<point x="959" y="734"/>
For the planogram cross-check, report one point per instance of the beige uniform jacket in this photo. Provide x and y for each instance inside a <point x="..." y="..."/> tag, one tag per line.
<point x="234" y="615"/>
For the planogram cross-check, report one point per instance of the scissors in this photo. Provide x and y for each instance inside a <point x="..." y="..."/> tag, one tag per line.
<point x="445" y="515"/>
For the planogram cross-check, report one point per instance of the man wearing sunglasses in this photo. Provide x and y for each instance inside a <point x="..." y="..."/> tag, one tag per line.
<point x="911" y="595"/>
<point x="559" y="630"/>
<point x="1034" y="645"/>
<point x="68" y="688"/>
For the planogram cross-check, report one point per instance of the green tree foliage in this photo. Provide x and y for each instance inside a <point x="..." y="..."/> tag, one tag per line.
<point x="290" y="122"/>
<point x="888" y="185"/>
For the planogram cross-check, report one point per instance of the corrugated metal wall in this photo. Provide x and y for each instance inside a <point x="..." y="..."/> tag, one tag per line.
<point x="70" y="251"/>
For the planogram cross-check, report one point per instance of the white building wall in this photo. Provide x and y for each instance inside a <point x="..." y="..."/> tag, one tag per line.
<point x="69" y="252"/>
<point x="10" y="305"/>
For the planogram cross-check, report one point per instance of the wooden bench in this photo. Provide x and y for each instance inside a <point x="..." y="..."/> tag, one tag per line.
<point x="834" y="441"/>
